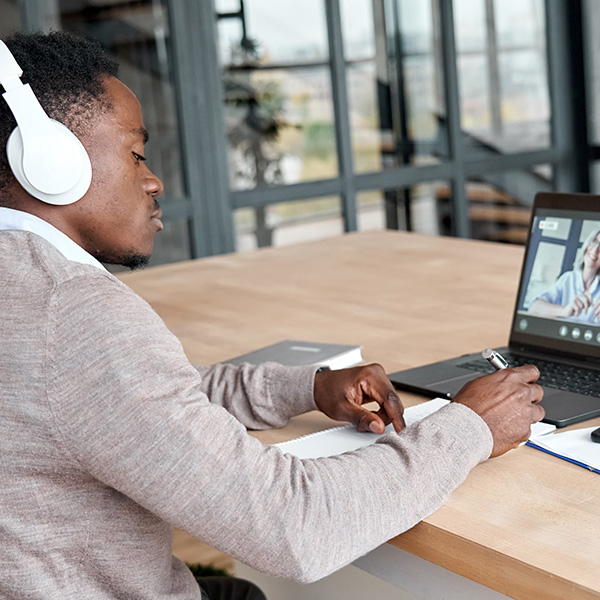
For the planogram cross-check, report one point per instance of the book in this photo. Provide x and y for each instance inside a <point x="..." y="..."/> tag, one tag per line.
<point x="297" y="353"/>
<point x="338" y="440"/>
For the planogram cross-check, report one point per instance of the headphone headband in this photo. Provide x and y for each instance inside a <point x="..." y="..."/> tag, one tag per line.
<point x="46" y="158"/>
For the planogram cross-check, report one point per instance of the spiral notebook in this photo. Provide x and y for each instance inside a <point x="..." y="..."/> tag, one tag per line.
<point x="338" y="440"/>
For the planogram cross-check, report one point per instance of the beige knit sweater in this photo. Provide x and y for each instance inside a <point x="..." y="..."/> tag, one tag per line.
<point x="109" y="438"/>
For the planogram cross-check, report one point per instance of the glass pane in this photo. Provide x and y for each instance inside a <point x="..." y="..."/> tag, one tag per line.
<point x="421" y="95"/>
<point x="499" y="203"/>
<point x="288" y="223"/>
<point x="358" y="29"/>
<point x="278" y="101"/>
<point x="284" y="31"/>
<point x="469" y="24"/>
<point x="475" y="95"/>
<point x="371" y="210"/>
<point x="505" y="101"/>
<point x="519" y="22"/>
<point x="393" y="77"/>
<point x="525" y="101"/>
<point x="137" y="35"/>
<point x="226" y="6"/>
<point x="416" y="25"/>
<point x="592" y="56"/>
<point x="9" y="23"/>
<point x="373" y="147"/>
<point x="417" y="205"/>
<point x="279" y="126"/>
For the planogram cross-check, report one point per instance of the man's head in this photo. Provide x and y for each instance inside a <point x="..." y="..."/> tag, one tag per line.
<point x="75" y="82"/>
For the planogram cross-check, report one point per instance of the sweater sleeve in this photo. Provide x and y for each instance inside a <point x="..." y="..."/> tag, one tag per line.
<point x="260" y="396"/>
<point x="131" y="411"/>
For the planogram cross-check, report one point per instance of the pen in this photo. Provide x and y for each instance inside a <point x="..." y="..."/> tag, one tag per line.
<point x="495" y="359"/>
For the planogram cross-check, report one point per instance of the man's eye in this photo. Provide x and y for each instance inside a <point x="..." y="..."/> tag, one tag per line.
<point x="138" y="157"/>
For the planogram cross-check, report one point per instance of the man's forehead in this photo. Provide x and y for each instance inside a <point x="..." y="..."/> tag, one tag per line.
<point x="127" y="111"/>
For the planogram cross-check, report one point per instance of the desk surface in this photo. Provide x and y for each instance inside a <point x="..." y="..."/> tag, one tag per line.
<point x="525" y="524"/>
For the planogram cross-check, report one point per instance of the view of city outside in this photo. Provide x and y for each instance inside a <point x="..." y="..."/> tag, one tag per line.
<point x="279" y="108"/>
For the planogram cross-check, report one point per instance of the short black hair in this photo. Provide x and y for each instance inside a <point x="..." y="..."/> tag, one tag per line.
<point x="65" y="73"/>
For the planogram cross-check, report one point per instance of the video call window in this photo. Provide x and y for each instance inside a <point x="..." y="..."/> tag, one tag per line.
<point x="554" y="268"/>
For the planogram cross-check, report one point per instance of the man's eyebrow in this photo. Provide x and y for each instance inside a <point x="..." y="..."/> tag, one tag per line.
<point x="141" y="131"/>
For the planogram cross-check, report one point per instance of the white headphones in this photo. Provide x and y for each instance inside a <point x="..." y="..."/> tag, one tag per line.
<point x="45" y="157"/>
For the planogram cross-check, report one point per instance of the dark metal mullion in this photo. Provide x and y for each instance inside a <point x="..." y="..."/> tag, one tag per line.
<point x="403" y="177"/>
<point x="264" y="196"/>
<point x="404" y="140"/>
<point x="493" y="68"/>
<point x="341" y="113"/>
<point x="392" y="178"/>
<point x="460" y="210"/>
<point x="507" y="162"/>
<point x="202" y="125"/>
<point x="184" y="91"/>
<point x="567" y="94"/>
<point x="219" y="229"/>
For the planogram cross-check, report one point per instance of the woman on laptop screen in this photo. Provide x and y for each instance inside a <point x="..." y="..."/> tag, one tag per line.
<point x="576" y="293"/>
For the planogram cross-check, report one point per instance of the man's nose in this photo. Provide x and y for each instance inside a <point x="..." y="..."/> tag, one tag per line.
<point x="153" y="184"/>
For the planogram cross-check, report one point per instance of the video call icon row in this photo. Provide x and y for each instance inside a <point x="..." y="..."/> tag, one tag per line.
<point x="565" y="331"/>
<point x="576" y="333"/>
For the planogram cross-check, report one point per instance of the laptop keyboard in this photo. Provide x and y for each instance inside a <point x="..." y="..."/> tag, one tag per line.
<point x="555" y="375"/>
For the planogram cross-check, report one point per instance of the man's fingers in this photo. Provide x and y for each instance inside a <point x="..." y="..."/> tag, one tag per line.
<point x="538" y="393"/>
<point x="538" y="413"/>
<point x="366" y="420"/>
<point x="529" y="373"/>
<point x="395" y="411"/>
<point x="390" y="412"/>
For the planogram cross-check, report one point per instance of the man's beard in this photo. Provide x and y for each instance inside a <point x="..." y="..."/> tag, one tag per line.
<point x="136" y="261"/>
<point x="131" y="261"/>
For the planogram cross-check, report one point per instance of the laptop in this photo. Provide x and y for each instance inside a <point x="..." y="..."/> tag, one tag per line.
<point x="566" y="349"/>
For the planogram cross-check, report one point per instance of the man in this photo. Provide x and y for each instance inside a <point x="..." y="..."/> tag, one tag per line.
<point x="109" y="437"/>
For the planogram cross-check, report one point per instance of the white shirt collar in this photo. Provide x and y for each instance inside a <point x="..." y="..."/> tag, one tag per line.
<point x="22" y="221"/>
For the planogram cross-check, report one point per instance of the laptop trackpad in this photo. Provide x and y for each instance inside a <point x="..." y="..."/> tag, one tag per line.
<point x="451" y="386"/>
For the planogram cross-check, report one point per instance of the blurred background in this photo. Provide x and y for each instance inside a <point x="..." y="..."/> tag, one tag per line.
<point x="277" y="121"/>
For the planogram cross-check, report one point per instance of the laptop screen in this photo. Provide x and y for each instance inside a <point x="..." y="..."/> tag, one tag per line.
<point x="558" y="304"/>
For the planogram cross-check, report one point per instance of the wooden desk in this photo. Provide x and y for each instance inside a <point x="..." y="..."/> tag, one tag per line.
<point x="525" y="524"/>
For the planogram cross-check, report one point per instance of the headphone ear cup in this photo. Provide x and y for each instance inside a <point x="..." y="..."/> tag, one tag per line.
<point x="54" y="168"/>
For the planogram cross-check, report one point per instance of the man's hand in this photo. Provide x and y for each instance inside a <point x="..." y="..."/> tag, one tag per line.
<point x="341" y="395"/>
<point x="508" y="401"/>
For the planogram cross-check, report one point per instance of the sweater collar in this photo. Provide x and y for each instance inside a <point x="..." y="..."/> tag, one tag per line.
<point x="23" y="221"/>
